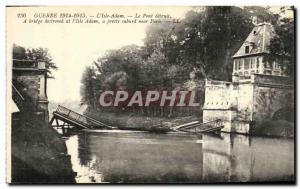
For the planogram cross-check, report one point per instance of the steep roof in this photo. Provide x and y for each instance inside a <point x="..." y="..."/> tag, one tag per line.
<point x="257" y="41"/>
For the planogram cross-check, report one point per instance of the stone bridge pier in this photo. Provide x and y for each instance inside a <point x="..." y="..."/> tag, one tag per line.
<point x="30" y="86"/>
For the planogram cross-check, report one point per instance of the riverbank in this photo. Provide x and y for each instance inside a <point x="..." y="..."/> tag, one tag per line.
<point x="131" y="121"/>
<point x="38" y="153"/>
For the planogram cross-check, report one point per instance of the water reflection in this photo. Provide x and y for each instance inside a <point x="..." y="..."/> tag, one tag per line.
<point x="241" y="158"/>
<point x="134" y="157"/>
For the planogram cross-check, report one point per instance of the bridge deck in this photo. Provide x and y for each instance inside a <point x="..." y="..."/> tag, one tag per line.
<point x="197" y="127"/>
<point x="68" y="116"/>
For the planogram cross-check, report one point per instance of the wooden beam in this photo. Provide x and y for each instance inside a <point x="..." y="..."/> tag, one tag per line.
<point x="57" y="122"/>
<point x="52" y="119"/>
<point x="61" y="117"/>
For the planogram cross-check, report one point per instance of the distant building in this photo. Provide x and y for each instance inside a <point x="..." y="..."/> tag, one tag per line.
<point x="258" y="91"/>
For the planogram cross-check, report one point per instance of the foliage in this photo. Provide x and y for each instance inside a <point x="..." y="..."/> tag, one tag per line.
<point x="282" y="46"/>
<point x="87" y="90"/>
<point x="36" y="54"/>
<point x="199" y="47"/>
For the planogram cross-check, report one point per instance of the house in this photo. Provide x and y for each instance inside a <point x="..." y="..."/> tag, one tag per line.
<point x="249" y="59"/>
<point x="258" y="91"/>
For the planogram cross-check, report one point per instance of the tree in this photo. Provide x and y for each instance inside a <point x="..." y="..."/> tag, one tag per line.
<point x="282" y="46"/>
<point x="153" y="72"/>
<point x="19" y="52"/>
<point x="205" y="40"/>
<point x="87" y="89"/>
<point x="126" y="60"/>
<point x="200" y="46"/>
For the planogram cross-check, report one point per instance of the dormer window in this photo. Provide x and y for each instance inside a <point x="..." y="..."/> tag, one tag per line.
<point x="247" y="49"/>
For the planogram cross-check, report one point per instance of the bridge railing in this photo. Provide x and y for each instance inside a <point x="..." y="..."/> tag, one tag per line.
<point x="210" y="124"/>
<point x="21" y="98"/>
<point x="72" y="115"/>
<point x="87" y="121"/>
<point x="24" y="63"/>
<point x="17" y="97"/>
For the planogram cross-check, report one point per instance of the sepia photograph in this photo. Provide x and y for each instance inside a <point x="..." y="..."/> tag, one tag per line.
<point x="150" y="94"/>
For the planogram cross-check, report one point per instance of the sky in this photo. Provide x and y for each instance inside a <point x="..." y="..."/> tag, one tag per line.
<point x="75" y="46"/>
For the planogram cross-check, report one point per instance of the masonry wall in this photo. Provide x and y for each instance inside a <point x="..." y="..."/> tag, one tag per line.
<point x="225" y="115"/>
<point x="244" y="97"/>
<point x="31" y="84"/>
<point x="219" y="103"/>
<point x="218" y="95"/>
<point x="270" y="96"/>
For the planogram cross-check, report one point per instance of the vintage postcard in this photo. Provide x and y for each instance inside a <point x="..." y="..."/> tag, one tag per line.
<point x="150" y="94"/>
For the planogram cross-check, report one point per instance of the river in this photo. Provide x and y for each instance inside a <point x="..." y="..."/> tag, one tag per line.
<point x="141" y="157"/>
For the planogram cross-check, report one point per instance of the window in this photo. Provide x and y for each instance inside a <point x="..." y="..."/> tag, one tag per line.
<point x="234" y="65"/>
<point x="276" y="73"/>
<point x="252" y="63"/>
<point x="240" y="64"/>
<point x="237" y="65"/>
<point x="247" y="49"/>
<point x="267" y="72"/>
<point x="246" y="63"/>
